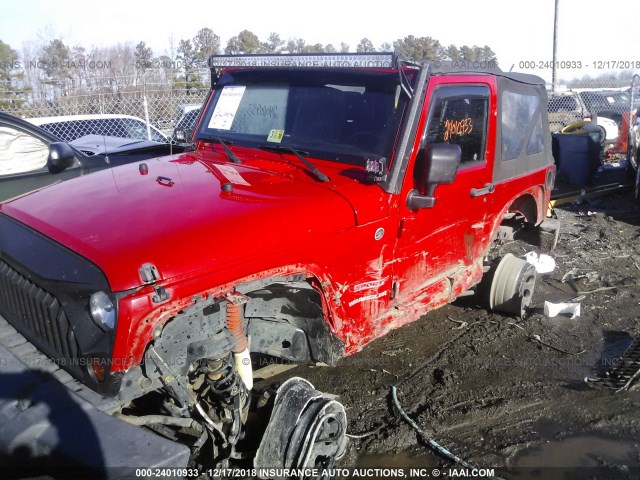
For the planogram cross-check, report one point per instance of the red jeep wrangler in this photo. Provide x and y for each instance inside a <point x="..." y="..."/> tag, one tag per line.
<point x="328" y="200"/>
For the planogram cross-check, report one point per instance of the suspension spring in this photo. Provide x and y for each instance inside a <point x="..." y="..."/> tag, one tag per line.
<point x="224" y="382"/>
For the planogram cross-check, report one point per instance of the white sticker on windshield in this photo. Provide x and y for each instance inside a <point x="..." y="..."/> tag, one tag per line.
<point x="226" y="108"/>
<point x="232" y="175"/>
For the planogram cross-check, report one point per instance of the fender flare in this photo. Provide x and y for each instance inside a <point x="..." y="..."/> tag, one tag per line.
<point x="130" y="344"/>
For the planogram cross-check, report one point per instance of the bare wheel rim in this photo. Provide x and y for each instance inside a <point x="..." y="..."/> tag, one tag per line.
<point x="512" y="285"/>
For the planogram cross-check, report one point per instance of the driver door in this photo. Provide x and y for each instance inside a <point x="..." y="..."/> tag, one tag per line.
<point x="438" y="247"/>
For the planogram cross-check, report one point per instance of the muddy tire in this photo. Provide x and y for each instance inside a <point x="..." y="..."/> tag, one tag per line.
<point x="510" y="285"/>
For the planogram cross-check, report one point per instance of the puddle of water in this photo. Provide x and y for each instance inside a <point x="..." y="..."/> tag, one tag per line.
<point x="576" y="454"/>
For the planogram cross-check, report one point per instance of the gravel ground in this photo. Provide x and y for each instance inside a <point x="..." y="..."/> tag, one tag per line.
<point x="509" y="393"/>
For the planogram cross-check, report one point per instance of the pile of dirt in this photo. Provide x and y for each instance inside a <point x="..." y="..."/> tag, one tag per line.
<point x="511" y="393"/>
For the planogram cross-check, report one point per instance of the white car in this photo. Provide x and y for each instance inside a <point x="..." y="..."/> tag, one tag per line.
<point x="568" y="107"/>
<point x="72" y="127"/>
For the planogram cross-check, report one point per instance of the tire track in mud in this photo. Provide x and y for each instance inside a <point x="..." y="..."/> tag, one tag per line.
<point x="429" y="400"/>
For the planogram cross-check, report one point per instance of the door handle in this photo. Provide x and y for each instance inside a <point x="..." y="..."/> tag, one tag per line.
<point x="486" y="190"/>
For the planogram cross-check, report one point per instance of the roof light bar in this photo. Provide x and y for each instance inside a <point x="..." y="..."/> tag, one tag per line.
<point x="302" y="60"/>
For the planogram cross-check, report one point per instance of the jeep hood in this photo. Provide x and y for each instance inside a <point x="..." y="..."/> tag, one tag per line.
<point x="175" y="215"/>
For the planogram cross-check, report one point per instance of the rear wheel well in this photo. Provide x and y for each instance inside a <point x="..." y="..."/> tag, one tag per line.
<point x="526" y="207"/>
<point x="522" y="221"/>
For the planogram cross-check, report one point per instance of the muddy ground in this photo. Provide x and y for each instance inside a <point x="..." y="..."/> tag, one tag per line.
<point x="510" y="393"/>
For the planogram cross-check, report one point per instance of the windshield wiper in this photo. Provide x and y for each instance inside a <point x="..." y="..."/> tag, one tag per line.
<point x="316" y="173"/>
<point x="225" y="144"/>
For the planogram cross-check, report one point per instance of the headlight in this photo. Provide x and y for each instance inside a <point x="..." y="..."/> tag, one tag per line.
<point x="102" y="310"/>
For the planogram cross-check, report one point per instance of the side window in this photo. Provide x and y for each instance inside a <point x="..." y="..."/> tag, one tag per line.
<point x="536" y="141"/>
<point x="459" y="116"/>
<point x="21" y="152"/>
<point x="519" y="111"/>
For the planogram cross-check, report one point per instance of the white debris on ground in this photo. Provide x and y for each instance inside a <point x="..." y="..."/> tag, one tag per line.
<point x="554" y="309"/>
<point x="543" y="263"/>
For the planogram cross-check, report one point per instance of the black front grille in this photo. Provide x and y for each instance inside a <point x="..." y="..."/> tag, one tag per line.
<point x="38" y="315"/>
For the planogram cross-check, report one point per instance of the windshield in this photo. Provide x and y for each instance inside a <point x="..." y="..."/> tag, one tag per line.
<point x="343" y="116"/>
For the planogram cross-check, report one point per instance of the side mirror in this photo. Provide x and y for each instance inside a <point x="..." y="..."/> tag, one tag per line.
<point x="441" y="161"/>
<point x="61" y="157"/>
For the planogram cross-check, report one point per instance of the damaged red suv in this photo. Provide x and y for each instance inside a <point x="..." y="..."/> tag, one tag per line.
<point x="329" y="199"/>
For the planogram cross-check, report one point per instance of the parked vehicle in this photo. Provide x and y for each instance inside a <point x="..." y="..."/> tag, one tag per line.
<point x="612" y="109"/>
<point x="32" y="158"/>
<point x="329" y="199"/>
<point x="616" y="106"/>
<point x="72" y="127"/>
<point x="185" y="126"/>
<point x="568" y="108"/>
<point x="606" y="103"/>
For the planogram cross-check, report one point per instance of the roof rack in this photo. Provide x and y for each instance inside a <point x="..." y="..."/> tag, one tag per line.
<point x="306" y="60"/>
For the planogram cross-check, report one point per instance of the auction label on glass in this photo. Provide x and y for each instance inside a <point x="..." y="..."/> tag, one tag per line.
<point x="275" y="135"/>
<point x="227" y="106"/>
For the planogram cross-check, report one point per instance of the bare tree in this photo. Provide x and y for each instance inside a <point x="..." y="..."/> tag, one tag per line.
<point x="12" y="88"/>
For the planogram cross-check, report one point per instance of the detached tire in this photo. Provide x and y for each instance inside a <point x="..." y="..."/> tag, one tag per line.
<point x="511" y="285"/>
<point x="586" y="126"/>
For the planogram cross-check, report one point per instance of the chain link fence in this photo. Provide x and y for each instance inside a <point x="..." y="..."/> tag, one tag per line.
<point x="162" y="101"/>
<point x="160" y="104"/>
<point x="611" y="102"/>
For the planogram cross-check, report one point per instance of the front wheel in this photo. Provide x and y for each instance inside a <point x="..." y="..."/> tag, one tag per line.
<point x="511" y="285"/>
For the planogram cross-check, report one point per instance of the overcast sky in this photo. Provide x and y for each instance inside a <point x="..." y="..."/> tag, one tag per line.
<point x="590" y="30"/>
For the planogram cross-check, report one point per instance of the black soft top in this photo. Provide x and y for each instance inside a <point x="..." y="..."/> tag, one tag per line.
<point x="464" y="67"/>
